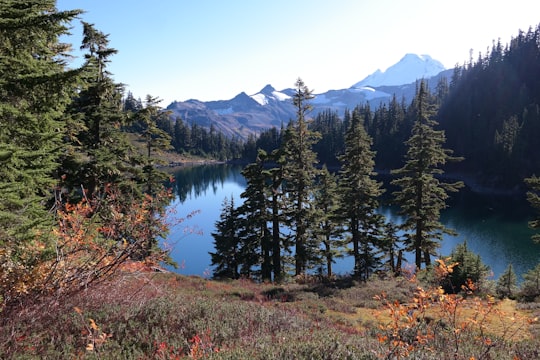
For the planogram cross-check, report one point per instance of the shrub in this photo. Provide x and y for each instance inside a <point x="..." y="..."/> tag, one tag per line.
<point x="468" y="268"/>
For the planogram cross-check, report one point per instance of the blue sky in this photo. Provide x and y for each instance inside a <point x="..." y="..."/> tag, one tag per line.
<point x="214" y="49"/>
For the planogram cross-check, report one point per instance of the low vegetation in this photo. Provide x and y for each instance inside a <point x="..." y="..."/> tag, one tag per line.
<point x="142" y="314"/>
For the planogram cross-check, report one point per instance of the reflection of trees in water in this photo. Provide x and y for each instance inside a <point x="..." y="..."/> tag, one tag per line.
<point x="195" y="181"/>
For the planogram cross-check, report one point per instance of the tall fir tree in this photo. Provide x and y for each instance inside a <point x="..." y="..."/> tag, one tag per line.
<point x="35" y="88"/>
<point x="299" y="175"/>
<point x="530" y="287"/>
<point x="102" y="155"/>
<point x="227" y="245"/>
<point x="329" y="229"/>
<point x="155" y="141"/>
<point x="359" y="196"/>
<point x="533" y="197"/>
<point x="277" y="213"/>
<point x="255" y="231"/>
<point x="422" y="195"/>
<point x="507" y="285"/>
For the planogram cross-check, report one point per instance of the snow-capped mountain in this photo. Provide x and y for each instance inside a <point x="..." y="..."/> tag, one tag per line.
<point x="245" y="114"/>
<point x="409" y="69"/>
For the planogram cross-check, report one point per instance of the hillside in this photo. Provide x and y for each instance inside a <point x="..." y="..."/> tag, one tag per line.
<point x="153" y="315"/>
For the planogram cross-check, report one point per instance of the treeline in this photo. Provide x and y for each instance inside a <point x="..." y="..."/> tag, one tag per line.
<point x="489" y="110"/>
<point x="295" y="213"/>
<point x="492" y="112"/>
<point x="189" y="139"/>
<point x="298" y="217"/>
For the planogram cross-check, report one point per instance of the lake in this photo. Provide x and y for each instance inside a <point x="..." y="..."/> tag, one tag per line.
<point x="494" y="226"/>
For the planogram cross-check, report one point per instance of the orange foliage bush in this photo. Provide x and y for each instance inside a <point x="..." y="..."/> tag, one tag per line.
<point x="434" y="320"/>
<point x="92" y="239"/>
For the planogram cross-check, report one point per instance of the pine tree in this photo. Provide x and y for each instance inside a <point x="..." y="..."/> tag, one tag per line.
<point x="533" y="196"/>
<point x="390" y="246"/>
<point x="155" y="141"/>
<point x="422" y="195"/>
<point x="507" y="283"/>
<point x="359" y="196"/>
<point x="299" y="175"/>
<point x="469" y="268"/>
<point x="255" y="231"/>
<point x="277" y="213"/>
<point x="102" y="153"/>
<point x="35" y="88"/>
<point x="330" y="228"/>
<point x="226" y="258"/>
<point x="132" y="105"/>
<point x="530" y="288"/>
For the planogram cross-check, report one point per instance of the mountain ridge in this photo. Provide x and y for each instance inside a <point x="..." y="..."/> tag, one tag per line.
<point x="247" y="114"/>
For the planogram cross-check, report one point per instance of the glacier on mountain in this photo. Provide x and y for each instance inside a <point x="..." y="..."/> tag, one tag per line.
<point x="410" y="68"/>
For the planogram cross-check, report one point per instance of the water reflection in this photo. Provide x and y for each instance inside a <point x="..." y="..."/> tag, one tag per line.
<point x="194" y="181"/>
<point x="495" y="227"/>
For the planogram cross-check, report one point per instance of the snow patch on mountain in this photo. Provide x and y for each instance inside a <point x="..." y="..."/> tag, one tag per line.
<point x="280" y="96"/>
<point x="370" y="93"/>
<point x="409" y="69"/>
<point x="260" y="98"/>
<point x="267" y="94"/>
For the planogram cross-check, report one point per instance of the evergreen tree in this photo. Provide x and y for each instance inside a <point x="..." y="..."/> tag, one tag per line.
<point x="35" y="88"/>
<point x="226" y="258"/>
<point x="530" y="288"/>
<point x="359" y="196"/>
<point x="277" y="213"/>
<point x="330" y="126"/>
<point x="155" y="140"/>
<point x="102" y="153"/>
<point x="507" y="283"/>
<point x="299" y="175"/>
<point x="390" y="246"/>
<point x="255" y="230"/>
<point x="422" y="195"/>
<point x="469" y="267"/>
<point x="533" y="196"/>
<point x="131" y="104"/>
<point x="389" y="130"/>
<point x="330" y="229"/>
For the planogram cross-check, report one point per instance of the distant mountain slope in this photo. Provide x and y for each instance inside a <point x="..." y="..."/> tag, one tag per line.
<point x="245" y="114"/>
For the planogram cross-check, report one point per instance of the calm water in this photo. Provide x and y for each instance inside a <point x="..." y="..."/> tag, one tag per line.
<point x="495" y="227"/>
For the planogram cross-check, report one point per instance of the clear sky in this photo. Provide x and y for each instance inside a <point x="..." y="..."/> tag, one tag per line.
<point x="215" y="49"/>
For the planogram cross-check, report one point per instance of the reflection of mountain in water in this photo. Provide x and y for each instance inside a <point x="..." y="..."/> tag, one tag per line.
<point x="195" y="181"/>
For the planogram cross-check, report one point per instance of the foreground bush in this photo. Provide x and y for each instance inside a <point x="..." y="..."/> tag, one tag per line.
<point x="91" y="240"/>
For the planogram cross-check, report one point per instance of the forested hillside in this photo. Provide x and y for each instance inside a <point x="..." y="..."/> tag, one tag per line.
<point x="490" y="112"/>
<point x="481" y="126"/>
